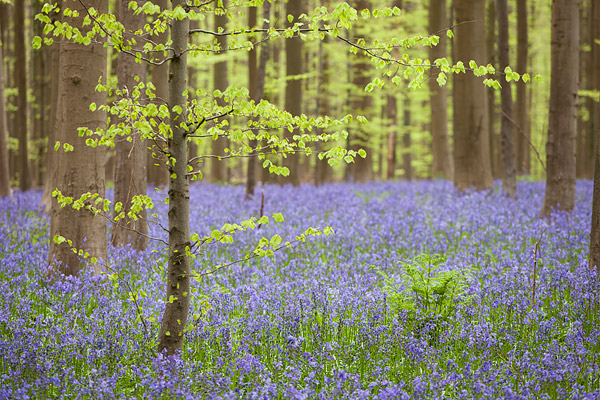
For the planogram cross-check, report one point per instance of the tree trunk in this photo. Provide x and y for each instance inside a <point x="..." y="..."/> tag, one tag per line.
<point x="21" y="81"/>
<point x="392" y="115"/>
<point x="562" y="124"/>
<point x="293" y="87"/>
<point x="494" y="135"/>
<point x="130" y="160"/>
<point x="81" y="170"/>
<point x="442" y="157"/>
<point x="360" y="104"/>
<point x="584" y="166"/>
<point x="406" y="141"/>
<point x="54" y="72"/>
<point x="509" y="179"/>
<point x="256" y="78"/>
<point x="4" y="172"/>
<point x="323" y="169"/>
<point x="472" y="166"/>
<point x="522" y="111"/>
<point x="595" y="232"/>
<point x="219" y="167"/>
<point x="40" y="84"/>
<point x="595" y="75"/>
<point x="178" y="276"/>
<point x="158" y="173"/>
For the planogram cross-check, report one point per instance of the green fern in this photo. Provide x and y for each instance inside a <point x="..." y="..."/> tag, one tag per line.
<point x="424" y="287"/>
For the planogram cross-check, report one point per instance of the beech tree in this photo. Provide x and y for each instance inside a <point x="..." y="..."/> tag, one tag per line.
<point x="594" y="257"/>
<point x="521" y="109"/>
<point x="256" y="85"/>
<point x="293" y="85"/>
<point x="509" y="175"/>
<point x="472" y="166"/>
<point x="158" y="175"/>
<point x="562" y="124"/>
<point x="79" y="169"/>
<point x="130" y="160"/>
<point x="4" y="171"/>
<point x="440" y="144"/>
<point x="21" y="81"/>
<point x="220" y="79"/>
<point x="173" y="125"/>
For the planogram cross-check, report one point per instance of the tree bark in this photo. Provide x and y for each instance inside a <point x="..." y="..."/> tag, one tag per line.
<point x="322" y="167"/>
<point x="360" y="104"/>
<point x="21" y="81"/>
<point x="256" y="80"/>
<point x="472" y="166"/>
<point x="594" y="257"/>
<point x="392" y="136"/>
<point x="406" y="141"/>
<point x="509" y="178"/>
<point x="158" y="173"/>
<point x="81" y="170"/>
<point x="178" y="276"/>
<point x="40" y="83"/>
<point x="293" y="87"/>
<point x="4" y="172"/>
<point x="562" y="124"/>
<point x="54" y="72"/>
<point x="442" y="157"/>
<point x="220" y="77"/>
<point x="595" y="75"/>
<point x="130" y="160"/>
<point x="522" y="111"/>
<point x="492" y="56"/>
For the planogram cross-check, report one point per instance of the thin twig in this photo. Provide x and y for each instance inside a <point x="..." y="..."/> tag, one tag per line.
<point x="512" y="121"/>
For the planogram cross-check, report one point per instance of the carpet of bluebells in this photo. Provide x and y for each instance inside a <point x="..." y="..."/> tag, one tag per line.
<point x="314" y="321"/>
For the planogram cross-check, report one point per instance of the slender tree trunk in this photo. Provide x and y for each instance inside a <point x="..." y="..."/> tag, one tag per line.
<point x="595" y="232"/>
<point x="81" y="170"/>
<point x="293" y="87"/>
<point x="158" y="173"/>
<point x="130" y="160"/>
<point x="392" y="114"/>
<point x="509" y="178"/>
<point x="274" y="95"/>
<point x="21" y="80"/>
<point x="494" y="135"/>
<point x="323" y="170"/>
<point x="584" y="167"/>
<point x="54" y="72"/>
<point x="178" y="276"/>
<point x="562" y="124"/>
<point x="252" y="89"/>
<point x="220" y="76"/>
<point x="442" y="157"/>
<point x="595" y="76"/>
<point x="4" y="172"/>
<point x="472" y="166"/>
<point x="40" y="83"/>
<point x="406" y="141"/>
<point x="522" y="111"/>
<point x="360" y="104"/>
<point x="257" y="88"/>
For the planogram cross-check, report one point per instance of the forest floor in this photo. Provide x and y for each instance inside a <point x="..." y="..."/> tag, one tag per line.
<point x="422" y="292"/>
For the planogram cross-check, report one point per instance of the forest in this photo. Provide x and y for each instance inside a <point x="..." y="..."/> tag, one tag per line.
<point x="299" y="199"/>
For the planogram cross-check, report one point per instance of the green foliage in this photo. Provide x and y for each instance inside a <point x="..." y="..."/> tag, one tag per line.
<point x="424" y="287"/>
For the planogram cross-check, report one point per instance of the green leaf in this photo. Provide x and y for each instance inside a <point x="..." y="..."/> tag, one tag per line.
<point x="278" y="217"/>
<point x="275" y="241"/>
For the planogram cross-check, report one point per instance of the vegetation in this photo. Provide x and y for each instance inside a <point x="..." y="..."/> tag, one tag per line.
<point x="317" y="319"/>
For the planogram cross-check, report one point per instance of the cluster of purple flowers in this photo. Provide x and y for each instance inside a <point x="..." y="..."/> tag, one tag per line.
<point x="314" y="321"/>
